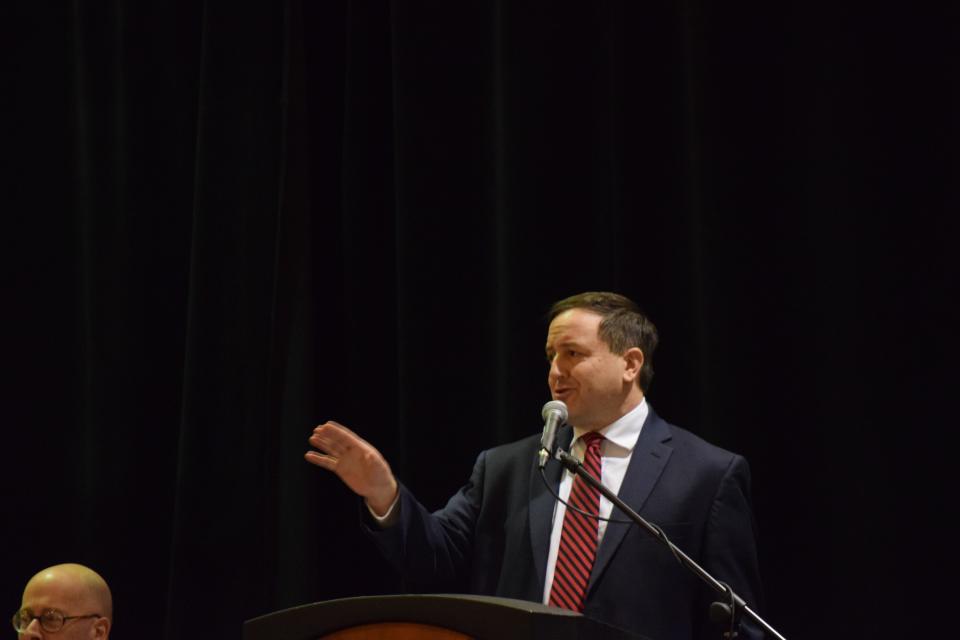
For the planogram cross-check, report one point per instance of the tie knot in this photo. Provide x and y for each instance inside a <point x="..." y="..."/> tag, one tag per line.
<point x="592" y="439"/>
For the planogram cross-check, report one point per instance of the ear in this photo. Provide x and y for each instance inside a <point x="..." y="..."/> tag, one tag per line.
<point x="100" y="629"/>
<point x="633" y="359"/>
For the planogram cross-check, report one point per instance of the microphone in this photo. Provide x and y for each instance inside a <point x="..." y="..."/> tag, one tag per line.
<point x="554" y="414"/>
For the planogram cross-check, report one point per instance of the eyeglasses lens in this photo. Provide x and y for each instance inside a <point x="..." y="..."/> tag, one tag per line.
<point x="20" y="621"/>
<point x="50" y="620"/>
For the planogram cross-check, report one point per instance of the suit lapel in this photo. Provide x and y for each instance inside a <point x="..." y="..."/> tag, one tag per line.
<point x="650" y="456"/>
<point x="542" y="506"/>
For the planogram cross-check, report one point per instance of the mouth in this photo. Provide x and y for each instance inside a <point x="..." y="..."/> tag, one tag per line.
<point x="562" y="393"/>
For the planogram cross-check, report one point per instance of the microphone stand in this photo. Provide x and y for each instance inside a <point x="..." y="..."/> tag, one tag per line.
<point x="730" y="612"/>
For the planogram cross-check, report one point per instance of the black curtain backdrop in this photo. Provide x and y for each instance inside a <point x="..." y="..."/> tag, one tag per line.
<point x="228" y="222"/>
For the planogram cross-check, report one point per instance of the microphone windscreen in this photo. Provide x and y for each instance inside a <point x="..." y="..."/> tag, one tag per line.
<point x="554" y="406"/>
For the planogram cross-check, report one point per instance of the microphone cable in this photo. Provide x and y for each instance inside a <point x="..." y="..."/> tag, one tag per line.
<point x="597" y="516"/>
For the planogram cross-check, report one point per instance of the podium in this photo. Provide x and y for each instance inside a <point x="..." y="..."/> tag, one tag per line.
<point x="429" y="617"/>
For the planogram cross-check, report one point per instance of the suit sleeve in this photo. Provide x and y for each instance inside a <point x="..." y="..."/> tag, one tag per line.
<point x="432" y="550"/>
<point x="730" y="544"/>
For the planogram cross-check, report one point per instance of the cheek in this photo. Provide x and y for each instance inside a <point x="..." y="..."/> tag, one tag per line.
<point x="585" y="375"/>
<point x="604" y="377"/>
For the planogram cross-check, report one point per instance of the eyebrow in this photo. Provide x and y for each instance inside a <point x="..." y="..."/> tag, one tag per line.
<point x="564" y="343"/>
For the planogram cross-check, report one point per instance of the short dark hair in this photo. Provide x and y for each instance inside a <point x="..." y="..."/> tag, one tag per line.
<point x="623" y="327"/>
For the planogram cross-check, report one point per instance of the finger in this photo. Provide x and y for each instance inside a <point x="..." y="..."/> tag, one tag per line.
<point x="339" y="437"/>
<point x="328" y="446"/>
<point x="345" y="432"/>
<point x="339" y="426"/>
<point x="325" y="462"/>
<point x="333" y="434"/>
<point x="340" y="442"/>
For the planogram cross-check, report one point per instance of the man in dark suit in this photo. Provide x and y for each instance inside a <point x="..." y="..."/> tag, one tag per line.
<point x="504" y="533"/>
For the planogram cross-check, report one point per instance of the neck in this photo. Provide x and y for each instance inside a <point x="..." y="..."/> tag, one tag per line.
<point x="630" y="402"/>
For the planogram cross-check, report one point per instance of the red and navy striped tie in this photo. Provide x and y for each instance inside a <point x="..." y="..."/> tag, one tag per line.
<point x="578" y="540"/>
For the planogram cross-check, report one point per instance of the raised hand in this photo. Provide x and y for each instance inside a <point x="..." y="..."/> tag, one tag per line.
<point x="356" y="462"/>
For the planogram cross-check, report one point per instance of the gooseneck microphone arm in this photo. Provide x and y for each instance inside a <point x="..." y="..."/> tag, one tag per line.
<point x="737" y="605"/>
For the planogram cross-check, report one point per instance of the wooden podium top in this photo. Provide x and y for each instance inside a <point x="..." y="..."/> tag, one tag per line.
<point x="434" y="617"/>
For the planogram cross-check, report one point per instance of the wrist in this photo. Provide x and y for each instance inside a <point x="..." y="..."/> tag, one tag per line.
<point x="380" y="503"/>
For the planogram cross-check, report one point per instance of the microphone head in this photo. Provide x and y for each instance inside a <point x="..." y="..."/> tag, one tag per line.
<point x="554" y="406"/>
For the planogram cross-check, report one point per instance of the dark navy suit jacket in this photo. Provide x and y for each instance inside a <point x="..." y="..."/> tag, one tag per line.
<point x="493" y="536"/>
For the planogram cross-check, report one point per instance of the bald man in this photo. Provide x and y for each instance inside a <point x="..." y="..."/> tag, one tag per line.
<point x="65" y="602"/>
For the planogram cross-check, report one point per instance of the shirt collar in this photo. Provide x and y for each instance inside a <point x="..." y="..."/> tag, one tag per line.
<point x="625" y="430"/>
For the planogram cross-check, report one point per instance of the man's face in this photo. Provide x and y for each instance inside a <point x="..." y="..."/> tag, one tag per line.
<point x="593" y="382"/>
<point x="61" y="591"/>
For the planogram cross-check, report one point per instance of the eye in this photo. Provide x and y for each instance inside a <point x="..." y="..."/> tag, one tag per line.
<point x="52" y="618"/>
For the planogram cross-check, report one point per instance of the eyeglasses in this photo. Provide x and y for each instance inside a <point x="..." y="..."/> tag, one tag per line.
<point x="51" y="620"/>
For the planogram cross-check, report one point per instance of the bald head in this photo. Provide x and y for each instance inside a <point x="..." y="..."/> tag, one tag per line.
<point x="75" y="590"/>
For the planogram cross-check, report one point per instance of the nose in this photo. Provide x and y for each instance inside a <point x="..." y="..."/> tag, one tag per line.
<point x="33" y="631"/>
<point x="554" y="373"/>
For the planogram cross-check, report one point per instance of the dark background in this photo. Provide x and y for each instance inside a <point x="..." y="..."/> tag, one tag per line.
<point x="228" y="222"/>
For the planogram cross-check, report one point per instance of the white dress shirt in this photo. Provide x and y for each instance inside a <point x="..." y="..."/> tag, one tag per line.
<point x="615" y="452"/>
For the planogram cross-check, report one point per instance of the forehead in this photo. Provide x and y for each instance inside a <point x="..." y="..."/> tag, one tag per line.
<point x="53" y="591"/>
<point x="574" y="325"/>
